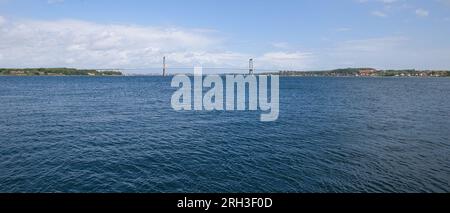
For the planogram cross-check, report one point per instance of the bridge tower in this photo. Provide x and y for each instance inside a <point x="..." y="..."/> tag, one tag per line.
<point x="164" y="66"/>
<point x="251" y="69"/>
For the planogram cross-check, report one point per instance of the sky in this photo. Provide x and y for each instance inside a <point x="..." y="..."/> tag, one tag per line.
<point x="278" y="34"/>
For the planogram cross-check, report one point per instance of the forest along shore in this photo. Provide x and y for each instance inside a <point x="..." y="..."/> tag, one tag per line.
<point x="56" y="72"/>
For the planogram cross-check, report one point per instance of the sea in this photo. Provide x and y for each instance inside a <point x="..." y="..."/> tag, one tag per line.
<point x="120" y="134"/>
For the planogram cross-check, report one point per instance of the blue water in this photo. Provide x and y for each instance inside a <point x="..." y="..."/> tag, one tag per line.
<point x="120" y="134"/>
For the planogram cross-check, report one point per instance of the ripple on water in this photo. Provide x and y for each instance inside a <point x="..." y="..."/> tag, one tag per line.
<point x="121" y="135"/>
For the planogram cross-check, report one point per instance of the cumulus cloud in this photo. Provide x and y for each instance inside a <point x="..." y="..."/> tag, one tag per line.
<point x="2" y="20"/>
<point x="379" y="14"/>
<point x="281" y="45"/>
<point x="286" y="60"/>
<point x="82" y="44"/>
<point x="343" y="29"/>
<point x="86" y="44"/>
<point x="422" y="12"/>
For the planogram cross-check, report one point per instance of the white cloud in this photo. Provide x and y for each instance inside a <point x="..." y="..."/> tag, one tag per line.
<point x="381" y="52"/>
<point x="86" y="44"/>
<point x="379" y="14"/>
<point x="2" y="20"/>
<point x="343" y="29"/>
<point x="286" y="60"/>
<point x="373" y="52"/>
<point x="388" y="8"/>
<point x="81" y="44"/>
<point x="391" y="52"/>
<point x="281" y="45"/>
<point x="422" y="12"/>
<point x="372" y="44"/>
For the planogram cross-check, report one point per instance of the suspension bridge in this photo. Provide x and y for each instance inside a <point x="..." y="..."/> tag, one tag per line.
<point x="166" y="70"/>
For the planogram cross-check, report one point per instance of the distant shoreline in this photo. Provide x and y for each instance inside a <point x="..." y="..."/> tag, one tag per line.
<point x="347" y="72"/>
<point x="63" y="76"/>
<point x="367" y="72"/>
<point x="282" y="76"/>
<point x="56" y="72"/>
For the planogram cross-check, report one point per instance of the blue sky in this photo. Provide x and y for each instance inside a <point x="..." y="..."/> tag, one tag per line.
<point x="283" y="34"/>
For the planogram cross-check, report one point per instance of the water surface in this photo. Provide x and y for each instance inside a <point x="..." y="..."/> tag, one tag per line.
<point x="120" y="134"/>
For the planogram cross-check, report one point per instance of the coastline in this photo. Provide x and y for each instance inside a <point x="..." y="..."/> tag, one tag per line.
<point x="281" y="76"/>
